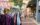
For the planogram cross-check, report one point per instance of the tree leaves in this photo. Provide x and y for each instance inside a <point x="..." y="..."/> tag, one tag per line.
<point x="18" y="2"/>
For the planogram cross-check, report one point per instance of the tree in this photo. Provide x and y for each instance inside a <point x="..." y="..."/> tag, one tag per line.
<point x="17" y="2"/>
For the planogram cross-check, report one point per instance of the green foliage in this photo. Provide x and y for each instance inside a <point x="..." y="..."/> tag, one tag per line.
<point x="17" y="2"/>
<point x="33" y="2"/>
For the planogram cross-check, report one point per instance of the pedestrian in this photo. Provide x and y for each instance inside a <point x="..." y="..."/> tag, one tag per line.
<point x="26" y="18"/>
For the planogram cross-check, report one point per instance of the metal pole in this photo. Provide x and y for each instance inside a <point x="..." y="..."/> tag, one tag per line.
<point x="37" y="10"/>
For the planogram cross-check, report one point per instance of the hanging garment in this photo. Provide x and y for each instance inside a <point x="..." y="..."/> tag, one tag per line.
<point x="2" y="19"/>
<point x="18" y="19"/>
<point x="11" y="14"/>
<point x="12" y="22"/>
<point x="15" y="19"/>
<point x="8" y="19"/>
<point x="5" y="20"/>
<point x="11" y="19"/>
